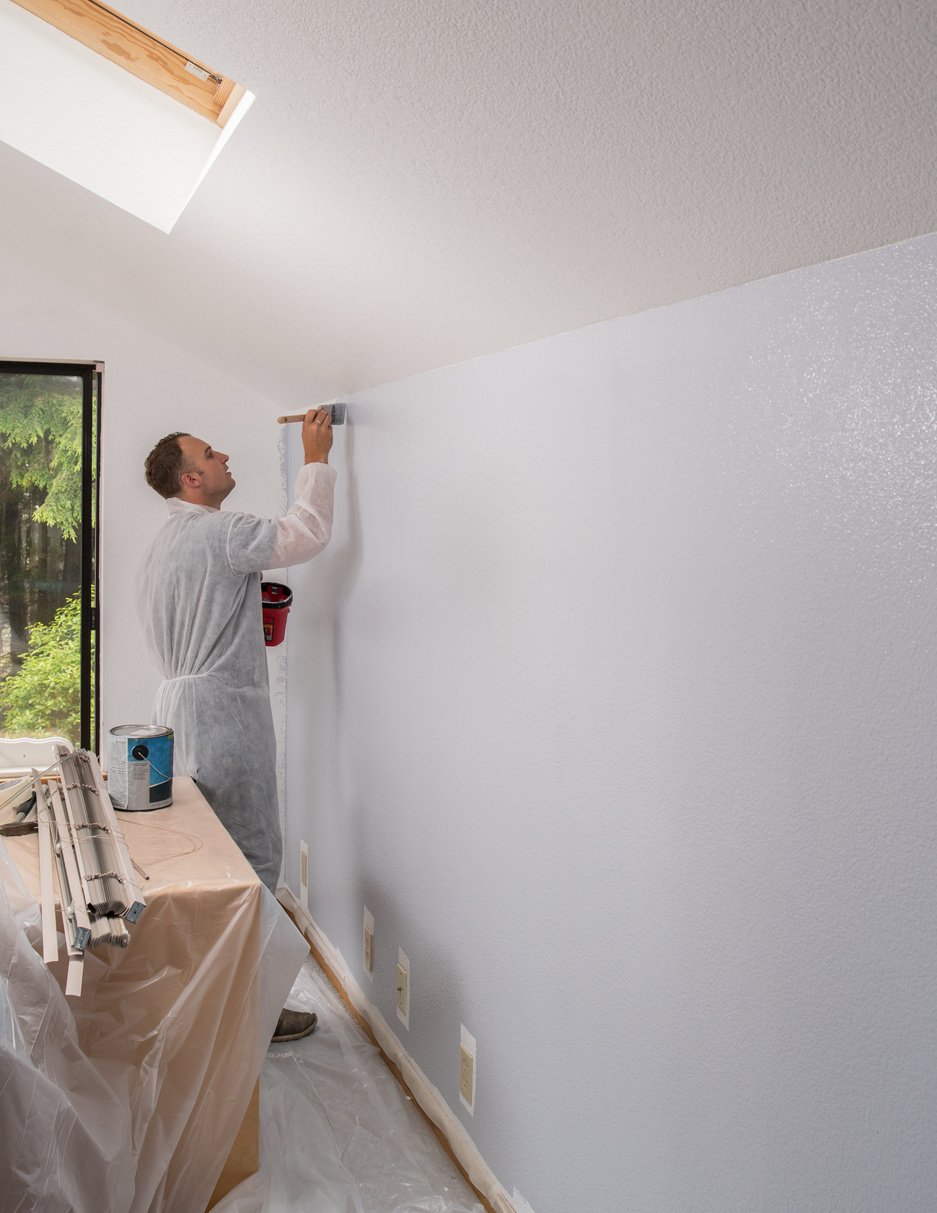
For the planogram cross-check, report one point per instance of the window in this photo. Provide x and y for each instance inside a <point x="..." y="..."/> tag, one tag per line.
<point x="143" y="54"/>
<point x="49" y="428"/>
<point x="102" y="101"/>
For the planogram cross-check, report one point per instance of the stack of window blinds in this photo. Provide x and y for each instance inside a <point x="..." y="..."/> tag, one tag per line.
<point x="81" y="844"/>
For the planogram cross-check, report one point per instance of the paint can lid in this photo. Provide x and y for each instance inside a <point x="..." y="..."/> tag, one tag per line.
<point x="141" y="730"/>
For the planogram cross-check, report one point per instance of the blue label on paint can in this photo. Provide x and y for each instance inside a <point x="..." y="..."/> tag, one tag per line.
<point x="140" y="766"/>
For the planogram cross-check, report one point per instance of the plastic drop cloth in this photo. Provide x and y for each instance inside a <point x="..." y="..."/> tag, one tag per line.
<point x="129" y="1097"/>
<point x="338" y="1134"/>
<point x="199" y="602"/>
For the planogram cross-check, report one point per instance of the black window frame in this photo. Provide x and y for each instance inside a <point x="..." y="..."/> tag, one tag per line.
<point x="91" y="375"/>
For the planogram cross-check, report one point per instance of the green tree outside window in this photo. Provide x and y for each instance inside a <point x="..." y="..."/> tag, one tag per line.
<point x="40" y="525"/>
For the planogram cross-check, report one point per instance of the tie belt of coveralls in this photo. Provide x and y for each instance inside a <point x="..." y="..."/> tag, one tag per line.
<point x="229" y="686"/>
<point x="186" y="677"/>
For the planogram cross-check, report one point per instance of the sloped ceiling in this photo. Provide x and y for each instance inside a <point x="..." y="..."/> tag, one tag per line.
<point x="421" y="181"/>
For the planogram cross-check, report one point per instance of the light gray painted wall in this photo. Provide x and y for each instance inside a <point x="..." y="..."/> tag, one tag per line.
<point x="613" y="701"/>
<point x="150" y="389"/>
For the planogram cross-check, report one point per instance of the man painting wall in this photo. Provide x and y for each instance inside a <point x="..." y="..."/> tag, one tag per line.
<point x="199" y="602"/>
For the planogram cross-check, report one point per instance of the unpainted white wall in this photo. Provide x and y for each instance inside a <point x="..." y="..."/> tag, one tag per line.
<point x="613" y="700"/>
<point x="150" y="389"/>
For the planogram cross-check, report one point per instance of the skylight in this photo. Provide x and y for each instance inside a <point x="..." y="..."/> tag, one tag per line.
<point x="142" y="135"/>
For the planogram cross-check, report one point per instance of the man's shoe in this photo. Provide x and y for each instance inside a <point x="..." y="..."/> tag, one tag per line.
<point x="294" y="1025"/>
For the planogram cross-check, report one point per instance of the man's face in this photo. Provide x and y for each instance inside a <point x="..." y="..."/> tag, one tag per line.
<point x="207" y="471"/>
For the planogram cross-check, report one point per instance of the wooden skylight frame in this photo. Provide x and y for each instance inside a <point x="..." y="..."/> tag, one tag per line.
<point x="143" y="54"/>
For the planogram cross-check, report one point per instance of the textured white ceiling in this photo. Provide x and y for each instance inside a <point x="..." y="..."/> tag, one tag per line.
<point x="420" y="181"/>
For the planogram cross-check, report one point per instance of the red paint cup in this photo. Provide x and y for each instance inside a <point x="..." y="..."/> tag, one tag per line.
<point x="276" y="600"/>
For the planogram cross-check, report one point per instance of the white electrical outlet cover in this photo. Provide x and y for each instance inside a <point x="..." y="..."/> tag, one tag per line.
<point x="467" y="1042"/>
<point x="403" y="963"/>
<point x="304" y="874"/>
<point x="368" y="930"/>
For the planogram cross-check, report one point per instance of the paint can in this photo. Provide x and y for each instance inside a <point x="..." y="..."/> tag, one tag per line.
<point x="276" y="599"/>
<point x="139" y="774"/>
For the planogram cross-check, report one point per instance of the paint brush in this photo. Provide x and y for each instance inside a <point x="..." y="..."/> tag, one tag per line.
<point x="337" y="411"/>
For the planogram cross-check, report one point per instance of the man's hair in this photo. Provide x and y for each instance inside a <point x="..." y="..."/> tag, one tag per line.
<point x="165" y="464"/>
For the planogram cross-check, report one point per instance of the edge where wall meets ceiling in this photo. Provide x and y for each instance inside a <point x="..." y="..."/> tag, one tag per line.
<point x="423" y="182"/>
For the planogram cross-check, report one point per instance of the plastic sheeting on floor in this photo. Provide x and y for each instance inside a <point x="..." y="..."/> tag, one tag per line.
<point x="128" y="1098"/>
<point x="338" y="1134"/>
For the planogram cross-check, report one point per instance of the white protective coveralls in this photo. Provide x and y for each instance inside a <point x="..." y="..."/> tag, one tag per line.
<point x="199" y="601"/>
